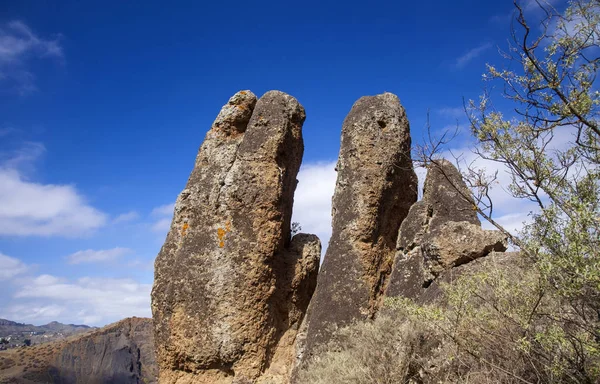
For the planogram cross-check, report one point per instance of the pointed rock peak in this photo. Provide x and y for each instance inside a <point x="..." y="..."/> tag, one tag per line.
<point x="441" y="232"/>
<point x="447" y="195"/>
<point x="234" y="115"/>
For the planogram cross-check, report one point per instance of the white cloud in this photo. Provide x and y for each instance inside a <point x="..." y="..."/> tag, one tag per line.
<point x="164" y="210"/>
<point x="312" y="200"/>
<point x="11" y="267"/>
<point x="18" y="40"/>
<point x="140" y="264"/>
<point x="18" y="45"/>
<point x="33" y="313"/>
<point x="22" y="157"/>
<point x="28" y="208"/>
<point x="96" y="256"/>
<point x="126" y="217"/>
<point x="92" y="301"/>
<point x="472" y="54"/>
<point x="164" y="215"/>
<point x="162" y="225"/>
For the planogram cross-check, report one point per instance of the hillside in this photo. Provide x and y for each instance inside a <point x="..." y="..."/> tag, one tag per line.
<point x="8" y="328"/>
<point x="122" y="352"/>
<point x="14" y="334"/>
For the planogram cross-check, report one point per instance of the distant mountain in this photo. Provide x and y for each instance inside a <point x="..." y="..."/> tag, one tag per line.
<point x="120" y="353"/>
<point x="12" y="328"/>
<point x="70" y="328"/>
<point x="8" y="322"/>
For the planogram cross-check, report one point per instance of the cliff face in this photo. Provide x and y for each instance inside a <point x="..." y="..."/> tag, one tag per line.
<point x="121" y="353"/>
<point x="230" y="286"/>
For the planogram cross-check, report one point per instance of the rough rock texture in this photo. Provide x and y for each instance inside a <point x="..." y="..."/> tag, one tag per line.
<point x="230" y="287"/>
<point x="441" y="232"/>
<point x="376" y="185"/>
<point x="120" y="353"/>
<point x="509" y="262"/>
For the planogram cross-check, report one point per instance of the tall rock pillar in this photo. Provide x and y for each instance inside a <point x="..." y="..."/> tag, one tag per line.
<point x="376" y="186"/>
<point x="229" y="283"/>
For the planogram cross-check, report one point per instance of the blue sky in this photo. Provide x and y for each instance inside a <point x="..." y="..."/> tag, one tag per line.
<point x="103" y="105"/>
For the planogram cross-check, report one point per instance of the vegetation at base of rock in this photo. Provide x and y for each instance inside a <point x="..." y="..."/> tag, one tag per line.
<point x="552" y="151"/>
<point x="491" y="326"/>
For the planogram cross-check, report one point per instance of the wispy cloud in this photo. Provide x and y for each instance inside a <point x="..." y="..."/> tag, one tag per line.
<point x="19" y="45"/>
<point x="126" y="217"/>
<point x="97" y="256"/>
<point x="452" y="112"/>
<point x="530" y="7"/>
<point x="163" y="210"/>
<point x="472" y="54"/>
<point x="163" y="215"/>
<point x="5" y="131"/>
<point x="11" y="267"/>
<point x="29" y="208"/>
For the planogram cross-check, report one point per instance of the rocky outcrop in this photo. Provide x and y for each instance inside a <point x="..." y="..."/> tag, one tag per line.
<point x="376" y="185"/>
<point x="441" y="232"/>
<point x="231" y="288"/>
<point x="120" y="353"/>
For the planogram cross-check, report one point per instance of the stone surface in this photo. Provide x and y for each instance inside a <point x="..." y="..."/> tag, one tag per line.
<point x="376" y="185"/>
<point x="230" y="287"/>
<point x="441" y="232"/>
<point x="120" y="353"/>
<point x="456" y="243"/>
<point x="510" y="262"/>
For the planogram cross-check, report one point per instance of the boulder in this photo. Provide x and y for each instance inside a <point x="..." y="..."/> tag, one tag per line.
<point x="441" y="232"/>
<point x="376" y="185"/>
<point x="230" y="283"/>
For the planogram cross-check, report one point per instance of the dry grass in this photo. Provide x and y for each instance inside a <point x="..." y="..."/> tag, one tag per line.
<point x="494" y="327"/>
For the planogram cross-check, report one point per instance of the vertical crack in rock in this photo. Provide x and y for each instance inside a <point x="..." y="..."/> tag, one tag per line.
<point x="230" y="287"/>
<point x="376" y="185"/>
<point x="441" y="232"/>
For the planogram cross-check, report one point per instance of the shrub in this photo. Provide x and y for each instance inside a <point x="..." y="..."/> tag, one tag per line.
<point x="499" y="325"/>
<point x="367" y="352"/>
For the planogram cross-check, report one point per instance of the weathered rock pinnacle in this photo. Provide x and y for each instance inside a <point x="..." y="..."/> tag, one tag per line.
<point x="441" y="232"/>
<point x="230" y="287"/>
<point x="376" y="185"/>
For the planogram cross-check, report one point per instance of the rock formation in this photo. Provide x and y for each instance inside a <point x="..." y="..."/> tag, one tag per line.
<point x="231" y="288"/>
<point x="120" y="353"/>
<point x="376" y="185"/>
<point x="441" y="232"/>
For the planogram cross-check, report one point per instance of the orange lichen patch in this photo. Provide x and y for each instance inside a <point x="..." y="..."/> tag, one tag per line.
<point x="221" y="232"/>
<point x="184" y="229"/>
<point x="243" y="92"/>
